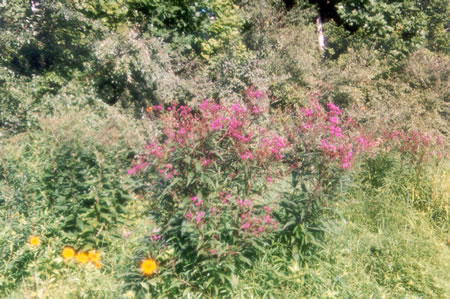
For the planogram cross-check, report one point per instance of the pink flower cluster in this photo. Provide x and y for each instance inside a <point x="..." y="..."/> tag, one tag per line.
<point x="137" y="168"/>
<point x="168" y="171"/>
<point x="327" y="128"/>
<point x="249" y="220"/>
<point x="416" y="143"/>
<point x="253" y="94"/>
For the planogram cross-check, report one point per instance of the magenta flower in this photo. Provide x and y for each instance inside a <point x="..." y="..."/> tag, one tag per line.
<point x="188" y="215"/>
<point x="247" y="156"/>
<point x="216" y="124"/>
<point x="307" y="125"/>
<point x="307" y="111"/>
<point x="205" y="162"/>
<point x="137" y="168"/>
<point x="333" y="109"/>
<point x="238" y="108"/>
<point x="246" y="225"/>
<point x="204" y="105"/>
<point x="333" y="120"/>
<point x="200" y="216"/>
<point x="336" y="131"/>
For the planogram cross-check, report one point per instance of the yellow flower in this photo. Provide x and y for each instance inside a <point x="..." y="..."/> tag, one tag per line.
<point x="35" y="241"/>
<point x="98" y="265"/>
<point x="149" y="108"/>
<point x="68" y="253"/>
<point x="82" y="257"/>
<point x="148" y="267"/>
<point x="94" y="256"/>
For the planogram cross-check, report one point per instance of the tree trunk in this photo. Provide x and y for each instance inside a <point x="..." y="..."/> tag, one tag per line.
<point x="322" y="39"/>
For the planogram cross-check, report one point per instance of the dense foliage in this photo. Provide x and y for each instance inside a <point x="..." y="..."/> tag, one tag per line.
<point x="209" y="148"/>
<point x="397" y="27"/>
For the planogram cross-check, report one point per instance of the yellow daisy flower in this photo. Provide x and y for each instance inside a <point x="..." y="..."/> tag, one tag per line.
<point x="82" y="257"/>
<point x="68" y="253"/>
<point x="148" y="267"/>
<point x="94" y="256"/>
<point x="34" y="241"/>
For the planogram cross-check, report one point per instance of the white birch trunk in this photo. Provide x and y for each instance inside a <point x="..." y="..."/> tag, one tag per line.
<point x="322" y="40"/>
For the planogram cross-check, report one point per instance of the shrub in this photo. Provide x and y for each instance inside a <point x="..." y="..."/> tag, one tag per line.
<point x="227" y="179"/>
<point x="133" y="71"/>
<point x="66" y="179"/>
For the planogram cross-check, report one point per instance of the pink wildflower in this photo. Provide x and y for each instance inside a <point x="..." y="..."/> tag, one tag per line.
<point x="205" y="162"/>
<point x="333" y="120"/>
<point x="137" y="168"/>
<point x="307" y="111"/>
<point x="307" y="125"/>
<point x="200" y="216"/>
<point x="334" y="109"/>
<point x="216" y="124"/>
<point x="246" y="225"/>
<point x="204" y="105"/>
<point x="336" y="131"/>
<point x="247" y="156"/>
<point x="188" y="215"/>
<point x="238" y="108"/>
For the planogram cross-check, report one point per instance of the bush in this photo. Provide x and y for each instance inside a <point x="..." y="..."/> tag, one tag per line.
<point x="227" y="180"/>
<point x="133" y="71"/>
<point x="66" y="179"/>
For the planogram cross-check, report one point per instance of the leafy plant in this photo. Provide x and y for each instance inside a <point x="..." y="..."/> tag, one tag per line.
<point x="72" y="182"/>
